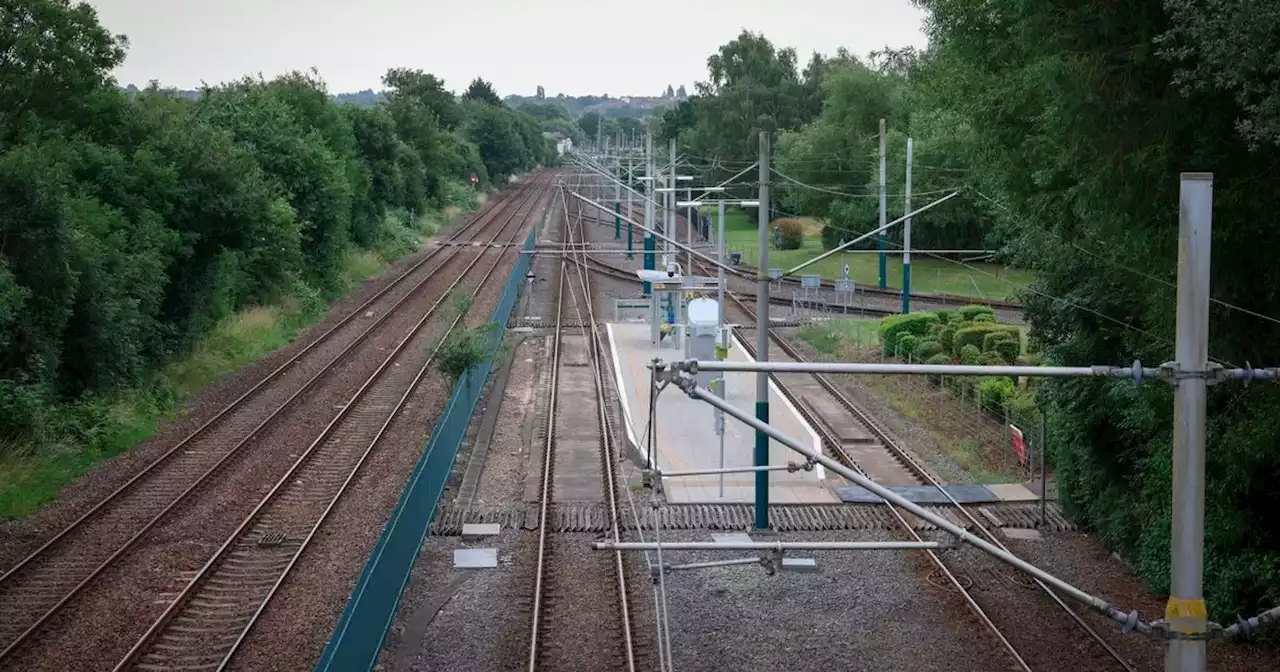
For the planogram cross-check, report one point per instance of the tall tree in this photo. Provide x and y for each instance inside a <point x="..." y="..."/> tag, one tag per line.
<point x="541" y="94"/>
<point x="681" y="93"/>
<point x="483" y="92"/>
<point x="427" y="91"/>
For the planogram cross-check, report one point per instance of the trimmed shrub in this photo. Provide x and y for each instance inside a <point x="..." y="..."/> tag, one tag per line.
<point x="1029" y="359"/>
<point x="970" y="354"/>
<point x="945" y="316"/>
<point x="792" y="237"/>
<point x="906" y="345"/>
<point x="926" y="349"/>
<point x="983" y="318"/>
<point x="990" y="359"/>
<point x="974" y="333"/>
<point x="940" y="358"/>
<point x="1008" y="349"/>
<point x="995" y="390"/>
<point x="947" y="338"/>
<point x="970" y="313"/>
<point x="989" y="340"/>
<point x="895" y="326"/>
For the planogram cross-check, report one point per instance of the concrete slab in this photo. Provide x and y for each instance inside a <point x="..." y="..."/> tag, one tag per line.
<point x="919" y="494"/>
<point x="480" y="530"/>
<point x="685" y="432"/>
<point x="1013" y="492"/>
<point x="475" y="558"/>
<point x="1026" y="534"/>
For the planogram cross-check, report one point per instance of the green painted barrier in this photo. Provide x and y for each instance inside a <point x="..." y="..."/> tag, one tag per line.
<point x="363" y="626"/>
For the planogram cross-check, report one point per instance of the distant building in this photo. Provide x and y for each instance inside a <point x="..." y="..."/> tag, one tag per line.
<point x="564" y="143"/>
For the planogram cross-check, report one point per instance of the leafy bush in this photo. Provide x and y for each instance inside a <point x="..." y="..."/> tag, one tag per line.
<point x="990" y="359"/>
<point x="970" y="354"/>
<point x="995" y="390"/>
<point x="895" y="326"/>
<point x="983" y="318"/>
<point x="465" y="348"/>
<point x="969" y="313"/>
<point x="1007" y="348"/>
<point x="1029" y="359"/>
<point x="946" y="337"/>
<point x="945" y="316"/>
<point x="940" y="358"/>
<point x="974" y="333"/>
<point x="906" y="345"/>
<point x="792" y="237"/>
<point x="925" y="350"/>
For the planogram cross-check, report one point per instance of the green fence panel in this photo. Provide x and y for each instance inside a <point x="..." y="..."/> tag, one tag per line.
<point x="363" y="626"/>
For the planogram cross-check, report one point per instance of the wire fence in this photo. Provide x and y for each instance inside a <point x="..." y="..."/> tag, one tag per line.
<point x="997" y="441"/>
<point x="358" y="637"/>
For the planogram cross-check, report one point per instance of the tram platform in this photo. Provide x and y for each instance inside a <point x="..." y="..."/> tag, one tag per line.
<point x="685" y="429"/>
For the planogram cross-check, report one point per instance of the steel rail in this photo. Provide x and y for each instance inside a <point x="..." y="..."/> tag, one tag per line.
<point x="312" y="457"/>
<point x="139" y="479"/>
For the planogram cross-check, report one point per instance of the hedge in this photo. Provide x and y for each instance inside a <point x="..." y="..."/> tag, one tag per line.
<point x="926" y="349"/>
<point x="968" y="313"/>
<point x="973" y="334"/>
<point x="895" y="326"/>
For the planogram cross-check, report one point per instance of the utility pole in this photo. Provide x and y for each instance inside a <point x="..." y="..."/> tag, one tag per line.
<point x="881" y="241"/>
<point x="648" y="207"/>
<point x="688" y="225"/>
<point x="762" y="340"/>
<point x="1185" y="610"/>
<point x="630" y="227"/>
<point x="668" y="252"/>
<point x="906" y="241"/>
<point x="721" y="334"/>
<point x="617" y="198"/>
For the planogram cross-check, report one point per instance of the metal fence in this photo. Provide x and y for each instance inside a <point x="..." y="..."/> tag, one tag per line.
<point x="991" y="434"/>
<point x="358" y="637"/>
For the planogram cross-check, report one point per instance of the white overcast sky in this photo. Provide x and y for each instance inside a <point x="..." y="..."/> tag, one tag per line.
<point x="571" y="46"/>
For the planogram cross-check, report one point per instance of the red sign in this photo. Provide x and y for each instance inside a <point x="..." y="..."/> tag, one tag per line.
<point x="1019" y="446"/>
<point x="473" y="179"/>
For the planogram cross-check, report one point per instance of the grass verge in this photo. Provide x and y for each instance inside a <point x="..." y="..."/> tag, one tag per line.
<point x="928" y="274"/>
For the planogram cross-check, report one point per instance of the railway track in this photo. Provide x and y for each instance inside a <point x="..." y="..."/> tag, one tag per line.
<point x="206" y="623"/>
<point x="560" y="623"/>
<point x="47" y="580"/>
<point x="841" y="449"/>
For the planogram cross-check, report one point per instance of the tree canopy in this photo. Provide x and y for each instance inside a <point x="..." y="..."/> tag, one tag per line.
<point x="1065" y="132"/>
<point x="133" y="221"/>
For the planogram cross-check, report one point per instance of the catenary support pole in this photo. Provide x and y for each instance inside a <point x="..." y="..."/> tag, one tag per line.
<point x="721" y="334"/>
<point x="669" y="201"/>
<point x="906" y="241"/>
<point x="762" y="339"/>
<point x="688" y="225"/>
<point x="630" y="226"/>
<point x="881" y="241"/>
<point x="617" y="201"/>
<point x="648" y="207"/>
<point x="1185" y="610"/>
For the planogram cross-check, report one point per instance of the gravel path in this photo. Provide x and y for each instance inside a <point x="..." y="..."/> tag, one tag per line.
<point x="504" y="475"/>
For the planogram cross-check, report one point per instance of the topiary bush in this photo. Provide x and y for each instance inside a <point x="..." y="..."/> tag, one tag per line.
<point x="1008" y="349"/>
<point x="995" y="390"/>
<point x="983" y="318"/>
<point x="945" y="316"/>
<point x="792" y="237"/>
<point x="947" y="337"/>
<point x="970" y="354"/>
<point x="974" y="333"/>
<point x="906" y="345"/>
<point x="895" y="326"/>
<point x="926" y="349"/>
<point x="969" y="313"/>
<point x="991" y="338"/>
<point x="940" y="358"/>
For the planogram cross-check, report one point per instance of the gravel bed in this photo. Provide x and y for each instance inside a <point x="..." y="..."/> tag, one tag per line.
<point x="301" y="618"/>
<point x="1083" y="561"/>
<point x="504" y="475"/>
<point x="865" y="610"/>
<point x="20" y="537"/>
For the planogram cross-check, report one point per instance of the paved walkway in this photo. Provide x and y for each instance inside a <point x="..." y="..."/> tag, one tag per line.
<point x="685" y="434"/>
